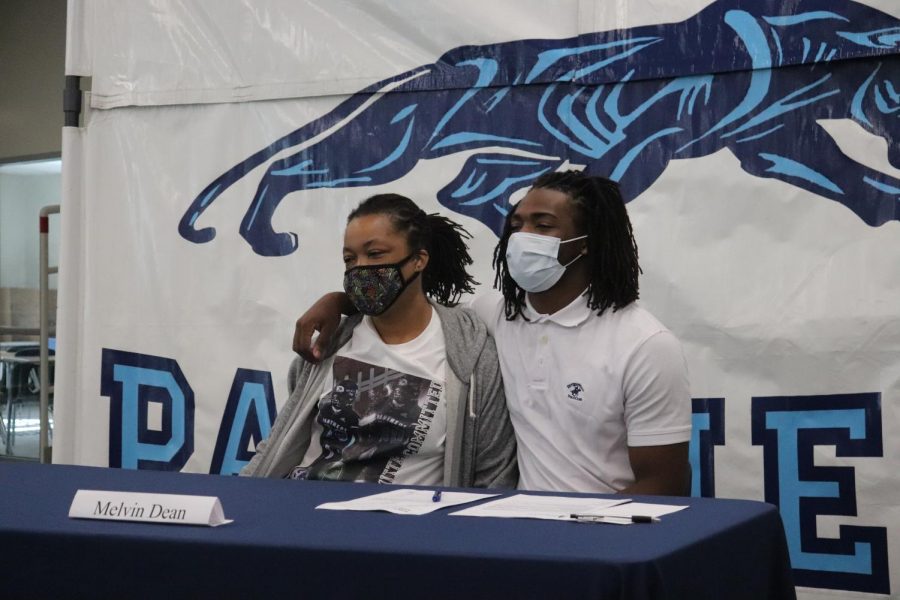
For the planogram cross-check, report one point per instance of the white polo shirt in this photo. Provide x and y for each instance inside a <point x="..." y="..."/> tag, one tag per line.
<point x="581" y="389"/>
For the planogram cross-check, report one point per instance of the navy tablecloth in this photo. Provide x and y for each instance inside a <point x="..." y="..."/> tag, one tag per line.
<point x="280" y="546"/>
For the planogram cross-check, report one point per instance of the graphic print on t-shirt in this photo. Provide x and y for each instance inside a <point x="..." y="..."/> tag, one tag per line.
<point x="372" y="419"/>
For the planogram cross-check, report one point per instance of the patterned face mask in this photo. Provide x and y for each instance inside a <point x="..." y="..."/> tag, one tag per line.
<point x="374" y="288"/>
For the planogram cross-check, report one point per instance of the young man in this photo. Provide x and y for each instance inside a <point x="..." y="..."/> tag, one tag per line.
<point x="597" y="388"/>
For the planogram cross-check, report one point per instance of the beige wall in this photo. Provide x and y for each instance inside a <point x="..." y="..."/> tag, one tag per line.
<point x="20" y="307"/>
<point x="32" y="70"/>
<point x="21" y="199"/>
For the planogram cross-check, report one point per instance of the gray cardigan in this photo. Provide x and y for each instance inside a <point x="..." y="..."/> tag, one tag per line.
<point x="480" y="448"/>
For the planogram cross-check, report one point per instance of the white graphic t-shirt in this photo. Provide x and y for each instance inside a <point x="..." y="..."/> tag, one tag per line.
<point x="382" y="415"/>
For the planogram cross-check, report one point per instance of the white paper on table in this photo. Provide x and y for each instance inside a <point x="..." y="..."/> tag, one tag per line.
<point x="526" y="506"/>
<point x="406" y="501"/>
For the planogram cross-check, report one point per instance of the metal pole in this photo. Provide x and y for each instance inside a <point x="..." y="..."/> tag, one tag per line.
<point x="72" y="101"/>
<point x="44" y="439"/>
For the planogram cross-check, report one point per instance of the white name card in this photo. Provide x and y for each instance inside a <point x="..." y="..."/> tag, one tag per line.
<point x="171" y="509"/>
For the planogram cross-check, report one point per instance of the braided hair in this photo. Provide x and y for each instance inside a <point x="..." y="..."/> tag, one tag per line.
<point x="611" y="250"/>
<point x="445" y="278"/>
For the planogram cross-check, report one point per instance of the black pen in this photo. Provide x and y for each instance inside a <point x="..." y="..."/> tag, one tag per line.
<point x="644" y="519"/>
<point x="437" y="496"/>
<point x="614" y="518"/>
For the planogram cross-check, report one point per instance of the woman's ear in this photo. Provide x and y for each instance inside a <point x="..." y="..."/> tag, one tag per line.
<point x="421" y="260"/>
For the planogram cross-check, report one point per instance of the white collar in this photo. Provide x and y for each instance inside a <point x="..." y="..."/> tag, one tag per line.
<point x="572" y="315"/>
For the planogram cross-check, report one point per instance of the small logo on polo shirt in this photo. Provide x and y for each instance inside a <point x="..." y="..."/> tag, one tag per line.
<point x="575" y="391"/>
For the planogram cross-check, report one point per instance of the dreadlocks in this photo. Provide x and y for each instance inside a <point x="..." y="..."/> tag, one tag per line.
<point x="445" y="278"/>
<point x="611" y="248"/>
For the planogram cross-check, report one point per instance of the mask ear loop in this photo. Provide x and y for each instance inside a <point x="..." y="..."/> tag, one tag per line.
<point x="580" y="254"/>
<point x="566" y="266"/>
<point x="575" y="239"/>
<point x="412" y="278"/>
<point x="408" y="281"/>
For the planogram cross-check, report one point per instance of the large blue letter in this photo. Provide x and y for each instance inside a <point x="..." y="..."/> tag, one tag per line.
<point x="248" y="415"/>
<point x="708" y="430"/>
<point x="789" y="428"/>
<point x="132" y="381"/>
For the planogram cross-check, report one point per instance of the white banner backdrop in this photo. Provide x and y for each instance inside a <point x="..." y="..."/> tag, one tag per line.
<point x="174" y="345"/>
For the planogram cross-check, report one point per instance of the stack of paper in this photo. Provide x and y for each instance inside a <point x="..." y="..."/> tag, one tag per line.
<point x="620" y="511"/>
<point x="407" y="501"/>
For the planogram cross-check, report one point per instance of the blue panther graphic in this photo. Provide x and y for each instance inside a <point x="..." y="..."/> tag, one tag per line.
<point x="752" y="76"/>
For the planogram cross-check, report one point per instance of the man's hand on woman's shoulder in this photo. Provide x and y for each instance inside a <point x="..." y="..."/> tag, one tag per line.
<point x="323" y="317"/>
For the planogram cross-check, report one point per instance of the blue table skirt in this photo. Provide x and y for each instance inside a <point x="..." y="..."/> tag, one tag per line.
<point x="280" y="546"/>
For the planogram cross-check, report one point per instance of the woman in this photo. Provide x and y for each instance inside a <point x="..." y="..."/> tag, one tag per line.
<point x="410" y="392"/>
